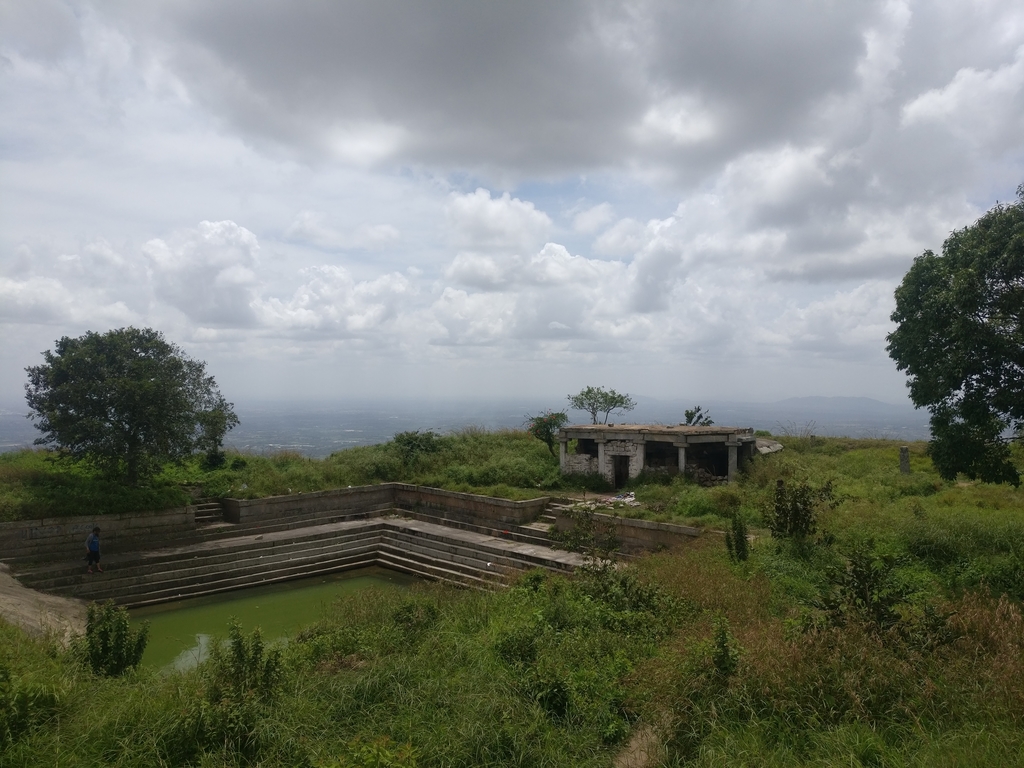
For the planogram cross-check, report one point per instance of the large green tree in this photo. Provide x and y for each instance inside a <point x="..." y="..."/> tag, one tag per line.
<point x="127" y="401"/>
<point x="960" y="338"/>
<point x="598" y="400"/>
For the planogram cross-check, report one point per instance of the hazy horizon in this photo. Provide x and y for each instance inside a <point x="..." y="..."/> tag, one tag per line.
<point x="317" y="429"/>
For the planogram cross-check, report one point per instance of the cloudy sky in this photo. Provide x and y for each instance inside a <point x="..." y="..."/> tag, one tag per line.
<point x="342" y="199"/>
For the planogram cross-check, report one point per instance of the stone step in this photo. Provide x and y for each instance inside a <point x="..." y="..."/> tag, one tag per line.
<point x="432" y="571"/>
<point x="540" y="526"/>
<point x="167" y="580"/>
<point x="410" y="562"/>
<point x="138" y="601"/>
<point x="510" y="532"/>
<point x="452" y="554"/>
<point x="532" y="555"/>
<point x="199" y="568"/>
<point x="459" y="556"/>
<point x="441" y="559"/>
<point x="61" y="574"/>
<point x="235" y="578"/>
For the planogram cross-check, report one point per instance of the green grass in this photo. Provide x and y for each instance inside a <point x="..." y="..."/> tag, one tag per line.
<point x="34" y="484"/>
<point x="892" y="636"/>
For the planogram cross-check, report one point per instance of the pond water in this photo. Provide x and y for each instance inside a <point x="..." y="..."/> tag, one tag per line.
<point x="180" y="632"/>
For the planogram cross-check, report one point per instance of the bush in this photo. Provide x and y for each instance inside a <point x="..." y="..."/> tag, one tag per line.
<point x="110" y="646"/>
<point x="793" y="510"/>
<point x="736" y="539"/>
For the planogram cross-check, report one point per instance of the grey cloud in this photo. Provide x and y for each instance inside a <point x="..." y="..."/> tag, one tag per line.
<point x="46" y="29"/>
<point x="522" y="84"/>
<point x="529" y="86"/>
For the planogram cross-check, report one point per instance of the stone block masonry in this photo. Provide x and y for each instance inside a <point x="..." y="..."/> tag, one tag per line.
<point x="455" y="537"/>
<point x="64" y="537"/>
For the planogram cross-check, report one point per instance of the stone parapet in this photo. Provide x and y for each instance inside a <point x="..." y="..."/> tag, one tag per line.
<point x="466" y="506"/>
<point x="363" y="499"/>
<point x="64" y="537"/>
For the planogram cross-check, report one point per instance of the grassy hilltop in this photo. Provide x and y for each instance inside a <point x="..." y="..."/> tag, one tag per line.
<point x="890" y="635"/>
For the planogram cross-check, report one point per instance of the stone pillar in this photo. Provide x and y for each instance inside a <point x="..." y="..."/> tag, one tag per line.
<point x="562" y="449"/>
<point x="640" y="454"/>
<point x="904" y="459"/>
<point x="733" y="462"/>
<point x="601" y="468"/>
<point x="682" y="459"/>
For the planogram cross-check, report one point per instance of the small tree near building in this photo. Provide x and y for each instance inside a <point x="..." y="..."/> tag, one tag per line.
<point x="127" y="401"/>
<point x="545" y="427"/>
<point x="597" y="400"/>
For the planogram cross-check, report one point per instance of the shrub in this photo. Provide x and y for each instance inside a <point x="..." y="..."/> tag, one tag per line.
<point x="243" y="668"/>
<point x="244" y="678"/>
<point x="587" y="535"/>
<point x="793" y="510"/>
<point x="110" y="646"/>
<point x="736" y="539"/>
<point x="725" y="653"/>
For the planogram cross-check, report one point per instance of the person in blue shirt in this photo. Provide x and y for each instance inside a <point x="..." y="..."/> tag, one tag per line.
<point x="92" y="550"/>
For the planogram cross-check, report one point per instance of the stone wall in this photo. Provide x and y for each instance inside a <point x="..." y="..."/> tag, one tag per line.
<point x="637" y="535"/>
<point x="634" y="450"/>
<point x="580" y="463"/>
<point x="466" y="506"/>
<point x="364" y="499"/>
<point x="64" y="537"/>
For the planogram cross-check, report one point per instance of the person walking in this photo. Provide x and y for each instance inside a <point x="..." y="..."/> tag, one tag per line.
<point x="92" y="550"/>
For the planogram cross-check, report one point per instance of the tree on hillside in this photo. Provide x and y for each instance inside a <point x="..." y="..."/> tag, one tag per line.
<point x="595" y="400"/>
<point x="545" y="427"/>
<point x="127" y="401"/>
<point x="960" y="338"/>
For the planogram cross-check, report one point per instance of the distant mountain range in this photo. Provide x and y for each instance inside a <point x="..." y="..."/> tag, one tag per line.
<point x="317" y="429"/>
<point x="831" y="416"/>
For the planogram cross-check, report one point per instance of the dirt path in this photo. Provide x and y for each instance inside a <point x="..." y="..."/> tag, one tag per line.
<point x="38" y="613"/>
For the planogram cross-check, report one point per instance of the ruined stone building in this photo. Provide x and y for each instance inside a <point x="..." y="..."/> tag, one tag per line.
<point x="620" y="452"/>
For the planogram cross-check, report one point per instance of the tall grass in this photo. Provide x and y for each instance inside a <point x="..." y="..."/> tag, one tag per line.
<point x="892" y="636"/>
<point x="534" y="676"/>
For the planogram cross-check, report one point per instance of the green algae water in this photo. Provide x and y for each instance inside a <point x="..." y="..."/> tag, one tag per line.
<point x="180" y="632"/>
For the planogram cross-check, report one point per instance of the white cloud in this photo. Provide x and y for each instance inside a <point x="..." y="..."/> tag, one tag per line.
<point x="624" y="238"/>
<point x="208" y="273"/>
<point x="331" y="301"/>
<point x="313" y="228"/>
<point x="592" y="219"/>
<point x="678" y="119"/>
<point x="480" y="223"/>
<point x="980" y="105"/>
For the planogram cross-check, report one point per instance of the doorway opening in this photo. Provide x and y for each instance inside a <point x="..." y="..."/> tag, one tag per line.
<point x="620" y="470"/>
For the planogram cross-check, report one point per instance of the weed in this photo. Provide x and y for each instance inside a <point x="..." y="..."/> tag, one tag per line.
<point x="736" y="539"/>
<point x="792" y="512"/>
<point x="110" y="646"/>
<point x="378" y="753"/>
